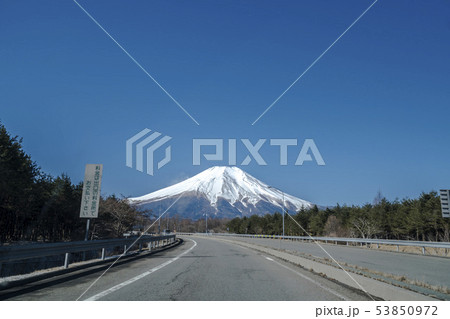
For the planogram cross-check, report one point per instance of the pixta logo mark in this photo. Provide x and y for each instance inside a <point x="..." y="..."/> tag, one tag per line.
<point x="144" y="145"/>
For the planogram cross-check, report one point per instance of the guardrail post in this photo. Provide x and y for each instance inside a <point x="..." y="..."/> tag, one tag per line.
<point x="347" y="243"/>
<point x="124" y="249"/>
<point x="103" y="253"/>
<point x="378" y="245"/>
<point x="423" y="250"/>
<point x="140" y="247"/>
<point x="398" y="249"/>
<point x="66" y="261"/>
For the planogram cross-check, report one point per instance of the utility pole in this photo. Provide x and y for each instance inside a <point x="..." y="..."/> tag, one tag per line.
<point x="284" y="212"/>
<point x="159" y="219"/>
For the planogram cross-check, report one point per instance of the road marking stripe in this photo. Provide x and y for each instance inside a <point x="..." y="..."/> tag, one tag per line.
<point x="134" y="279"/>
<point x="310" y="280"/>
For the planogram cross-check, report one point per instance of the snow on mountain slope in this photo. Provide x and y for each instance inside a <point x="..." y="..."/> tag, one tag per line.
<point x="221" y="184"/>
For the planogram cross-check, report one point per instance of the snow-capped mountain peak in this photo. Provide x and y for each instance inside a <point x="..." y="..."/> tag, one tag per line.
<point x="226" y="183"/>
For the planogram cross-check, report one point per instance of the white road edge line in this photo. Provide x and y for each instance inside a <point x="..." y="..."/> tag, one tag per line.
<point x="310" y="280"/>
<point x="125" y="252"/>
<point x="134" y="279"/>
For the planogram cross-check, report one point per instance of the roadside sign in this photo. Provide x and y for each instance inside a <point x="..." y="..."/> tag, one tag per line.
<point x="91" y="191"/>
<point x="445" y="197"/>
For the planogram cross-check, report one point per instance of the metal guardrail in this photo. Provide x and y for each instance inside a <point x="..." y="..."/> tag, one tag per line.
<point x="346" y="241"/>
<point x="22" y="252"/>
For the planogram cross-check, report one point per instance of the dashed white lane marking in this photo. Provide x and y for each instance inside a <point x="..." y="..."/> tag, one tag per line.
<point x="310" y="280"/>
<point x="134" y="279"/>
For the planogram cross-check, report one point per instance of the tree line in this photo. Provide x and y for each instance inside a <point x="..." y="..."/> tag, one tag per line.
<point x="408" y="219"/>
<point x="35" y="206"/>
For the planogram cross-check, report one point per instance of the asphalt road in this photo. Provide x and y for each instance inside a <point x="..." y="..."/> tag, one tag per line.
<point x="200" y="269"/>
<point x="429" y="269"/>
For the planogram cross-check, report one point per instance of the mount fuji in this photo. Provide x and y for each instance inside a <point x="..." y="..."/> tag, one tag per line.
<point x="221" y="192"/>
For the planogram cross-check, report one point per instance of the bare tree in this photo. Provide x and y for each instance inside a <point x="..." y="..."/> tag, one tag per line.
<point x="116" y="217"/>
<point x="366" y="227"/>
<point x="333" y="227"/>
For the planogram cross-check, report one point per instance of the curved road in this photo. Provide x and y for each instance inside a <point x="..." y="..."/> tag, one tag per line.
<point x="200" y="269"/>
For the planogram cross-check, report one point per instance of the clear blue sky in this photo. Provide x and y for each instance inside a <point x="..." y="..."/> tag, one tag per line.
<point x="377" y="104"/>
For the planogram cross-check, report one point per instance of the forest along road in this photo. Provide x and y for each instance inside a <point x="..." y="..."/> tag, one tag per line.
<point x="201" y="269"/>
<point x="429" y="269"/>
